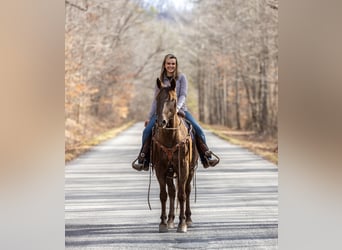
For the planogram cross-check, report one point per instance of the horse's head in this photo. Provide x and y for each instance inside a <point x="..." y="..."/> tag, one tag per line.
<point x="166" y="104"/>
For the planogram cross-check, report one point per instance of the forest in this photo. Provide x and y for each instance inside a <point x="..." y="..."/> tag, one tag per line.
<point x="228" y="50"/>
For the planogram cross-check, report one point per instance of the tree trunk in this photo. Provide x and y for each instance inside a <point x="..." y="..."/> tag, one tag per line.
<point x="237" y="103"/>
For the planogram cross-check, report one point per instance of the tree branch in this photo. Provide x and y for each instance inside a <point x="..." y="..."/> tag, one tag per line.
<point x="78" y="7"/>
<point x="273" y="6"/>
<point x="148" y="58"/>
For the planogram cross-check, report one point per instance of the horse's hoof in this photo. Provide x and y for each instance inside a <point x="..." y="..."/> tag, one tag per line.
<point x="189" y="222"/>
<point x="163" y="228"/>
<point x="182" y="228"/>
<point x="170" y="225"/>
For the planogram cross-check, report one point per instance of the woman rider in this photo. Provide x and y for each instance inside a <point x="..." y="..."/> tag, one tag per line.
<point x="168" y="71"/>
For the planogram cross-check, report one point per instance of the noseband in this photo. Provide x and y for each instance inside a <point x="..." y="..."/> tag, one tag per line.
<point x="167" y="128"/>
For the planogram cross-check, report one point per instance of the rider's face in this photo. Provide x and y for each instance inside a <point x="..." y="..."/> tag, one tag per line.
<point x="170" y="66"/>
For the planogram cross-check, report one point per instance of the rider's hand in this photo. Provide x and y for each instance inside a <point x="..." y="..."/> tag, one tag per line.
<point x="146" y="122"/>
<point x="180" y="113"/>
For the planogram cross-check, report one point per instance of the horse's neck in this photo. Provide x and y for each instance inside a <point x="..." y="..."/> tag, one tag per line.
<point x="178" y="125"/>
<point x="175" y="121"/>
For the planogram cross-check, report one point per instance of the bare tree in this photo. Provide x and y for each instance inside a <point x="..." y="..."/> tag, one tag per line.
<point x="240" y="39"/>
<point x="227" y="48"/>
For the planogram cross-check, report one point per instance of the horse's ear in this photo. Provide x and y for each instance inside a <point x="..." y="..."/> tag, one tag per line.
<point x="173" y="84"/>
<point x="159" y="83"/>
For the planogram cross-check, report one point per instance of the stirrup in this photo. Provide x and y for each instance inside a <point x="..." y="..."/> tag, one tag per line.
<point x="140" y="166"/>
<point x="210" y="162"/>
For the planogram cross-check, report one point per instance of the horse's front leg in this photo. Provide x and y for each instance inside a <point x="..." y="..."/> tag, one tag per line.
<point x="163" y="198"/>
<point x="182" y="180"/>
<point x="188" y="191"/>
<point x="172" y="193"/>
<point x="182" y="227"/>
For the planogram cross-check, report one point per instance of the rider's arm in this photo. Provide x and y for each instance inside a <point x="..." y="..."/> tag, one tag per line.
<point x="154" y="104"/>
<point x="183" y="91"/>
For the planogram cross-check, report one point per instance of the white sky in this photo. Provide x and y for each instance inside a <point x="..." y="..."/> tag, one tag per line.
<point x="178" y="4"/>
<point x="182" y="4"/>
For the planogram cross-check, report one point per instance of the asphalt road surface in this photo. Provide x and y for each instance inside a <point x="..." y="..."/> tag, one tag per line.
<point x="106" y="200"/>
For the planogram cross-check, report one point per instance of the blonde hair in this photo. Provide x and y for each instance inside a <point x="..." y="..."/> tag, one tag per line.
<point x="163" y="70"/>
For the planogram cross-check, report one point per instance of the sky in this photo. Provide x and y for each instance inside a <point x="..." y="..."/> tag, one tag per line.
<point x="178" y="4"/>
<point x="182" y="4"/>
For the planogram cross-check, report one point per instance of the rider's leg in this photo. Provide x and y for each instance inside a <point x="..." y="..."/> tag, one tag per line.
<point x="144" y="155"/>
<point x="203" y="150"/>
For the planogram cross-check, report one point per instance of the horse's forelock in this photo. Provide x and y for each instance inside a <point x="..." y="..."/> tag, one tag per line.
<point x="173" y="94"/>
<point x="167" y="93"/>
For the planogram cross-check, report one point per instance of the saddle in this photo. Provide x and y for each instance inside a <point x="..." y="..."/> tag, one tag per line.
<point x="187" y="124"/>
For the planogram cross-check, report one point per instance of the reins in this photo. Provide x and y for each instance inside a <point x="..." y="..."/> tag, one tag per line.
<point x="149" y="189"/>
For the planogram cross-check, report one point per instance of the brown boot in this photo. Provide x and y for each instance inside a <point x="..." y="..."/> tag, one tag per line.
<point x="142" y="163"/>
<point x="205" y="154"/>
<point x="143" y="160"/>
<point x="211" y="162"/>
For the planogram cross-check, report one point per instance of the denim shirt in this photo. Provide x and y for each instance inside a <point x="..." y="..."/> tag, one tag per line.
<point x="181" y="90"/>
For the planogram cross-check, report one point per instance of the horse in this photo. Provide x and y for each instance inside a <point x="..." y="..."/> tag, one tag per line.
<point x="174" y="156"/>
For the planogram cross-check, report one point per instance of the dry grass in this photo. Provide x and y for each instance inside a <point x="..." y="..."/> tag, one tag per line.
<point x="265" y="146"/>
<point x="77" y="150"/>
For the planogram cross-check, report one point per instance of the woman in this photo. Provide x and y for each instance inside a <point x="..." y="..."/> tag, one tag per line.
<point x="168" y="71"/>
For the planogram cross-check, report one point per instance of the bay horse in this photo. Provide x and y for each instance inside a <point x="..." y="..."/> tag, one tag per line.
<point x="174" y="156"/>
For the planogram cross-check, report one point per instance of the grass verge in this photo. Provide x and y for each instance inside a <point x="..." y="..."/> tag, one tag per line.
<point x="261" y="145"/>
<point x="77" y="150"/>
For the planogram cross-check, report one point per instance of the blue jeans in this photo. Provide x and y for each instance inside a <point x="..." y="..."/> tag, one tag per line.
<point x="199" y="131"/>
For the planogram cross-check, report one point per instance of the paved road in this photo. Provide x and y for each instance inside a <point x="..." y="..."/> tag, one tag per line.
<point x="106" y="201"/>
